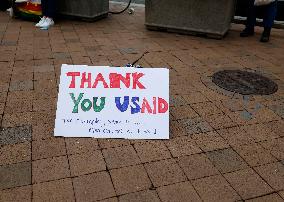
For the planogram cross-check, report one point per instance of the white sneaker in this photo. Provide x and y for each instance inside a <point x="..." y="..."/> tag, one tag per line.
<point x="47" y="23"/>
<point x="40" y="22"/>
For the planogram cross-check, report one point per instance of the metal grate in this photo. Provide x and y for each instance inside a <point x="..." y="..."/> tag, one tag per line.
<point x="245" y="83"/>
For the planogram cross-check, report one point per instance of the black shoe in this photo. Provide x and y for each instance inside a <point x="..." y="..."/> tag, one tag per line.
<point x="265" y="35"/>
<point x="247" y="32"/>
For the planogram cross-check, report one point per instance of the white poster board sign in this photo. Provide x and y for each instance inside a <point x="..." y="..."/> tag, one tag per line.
<point x="112" y="102"/>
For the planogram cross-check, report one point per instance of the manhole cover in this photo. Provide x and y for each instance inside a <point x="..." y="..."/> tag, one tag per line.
<point x="245" y="83"/>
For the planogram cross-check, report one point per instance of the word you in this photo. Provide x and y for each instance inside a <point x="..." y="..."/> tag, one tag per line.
<point x="158" y="105"/>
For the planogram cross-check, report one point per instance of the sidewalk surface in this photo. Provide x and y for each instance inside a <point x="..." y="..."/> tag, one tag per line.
<point x="215" y="153"/>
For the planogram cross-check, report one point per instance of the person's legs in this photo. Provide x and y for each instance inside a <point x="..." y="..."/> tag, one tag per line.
<point x="270" y="14"/>
<point x="50" y="8"/>
<point x="268" y="20"/>
<point x="43" y="7"/>
<point x="44" y="12"/>
<point x="251" y="20"/>
<point x="48" y="12"/>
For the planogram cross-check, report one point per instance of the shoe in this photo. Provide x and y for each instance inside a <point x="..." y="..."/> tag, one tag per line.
<point x="40" y="22"/>
<point x="265" y="35"/>
<point x="247" y="32"/>
<point x="47" y="23"/>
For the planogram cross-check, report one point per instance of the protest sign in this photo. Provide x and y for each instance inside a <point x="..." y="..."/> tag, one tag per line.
<point x="113" y="102"/>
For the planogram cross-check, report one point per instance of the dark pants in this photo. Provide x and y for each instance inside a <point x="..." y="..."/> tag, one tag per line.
<point x="268" y="18"/>
<point x="48" y="8"/>
<point x="4" y="4"/>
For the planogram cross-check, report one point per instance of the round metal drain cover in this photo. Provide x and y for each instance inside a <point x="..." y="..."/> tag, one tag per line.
<point x="245" y="83"/>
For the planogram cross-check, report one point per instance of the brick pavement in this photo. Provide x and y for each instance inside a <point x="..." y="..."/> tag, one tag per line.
<point x="214" y="154"/>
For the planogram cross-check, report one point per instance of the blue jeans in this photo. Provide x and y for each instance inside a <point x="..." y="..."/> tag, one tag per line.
<point x="48" y="8"/>
<point x="270" y="11"/>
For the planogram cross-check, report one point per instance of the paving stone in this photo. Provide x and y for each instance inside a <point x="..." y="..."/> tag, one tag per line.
<point x="15" y="153"/>
<point x="195" y="126"/>
<point x="209" y="141"/>
<point x="86" y="163"/>
<point x="226" y="160"/>
<point x="44" y="104"/>
<point x="42" y="131"/>
<point x="72" y="40"/>
<point x="165" y="172"/>
<point x="48" y="148"/>
<point x="177" y="100"/>
<point x="205" y="109"/>
<point x="259" y="132"/>
<point x="273" y="174"/>
<point x="196" y="97"/>
<point x="218" y="121"/>
<point x="4" y="87"/>
<point x="152" y="151"/>
<point x="61" y="55"/>
<point x="2" y="106"/>
<point x="50" y="169"/>
<point x="182" y="146"/>
<point x="3" y="97"/>
<point x="17" y="119"/>
<point x="43" y="68"/>
<point x="277" y="127"/>
<point x="58" y="190"/>
<point x="44" y="76"/>
<point x="21" y="85"/>
<point x="232" y="104"/>
<point x="254" y="154"/>
<point x="44" y="84"/>
<point x="265" y="115"/>
<point x="109" y="143"/>
<point x="183" y="112"/>
<point x="15" y="135"/>
<point x="197" y="166"/>
<point x="215" y="188"/>
<point x="148" y="195"/>
<point x="81" y="145"/>
<point x="242" y="118"/>
<point x="281" y="193"/>
<point x="21" y="76"/>
<point x="114" y="199"/>
<point x="275" y="147"/>
<point x="43" y="118"/>
<point x="20" y="95"/>
<point x="130" y="179"/>
<point x="120" y="157"/>
<point x="15" y="175"/>
<point x="18" y="106"/>
<point x="9" y="43"/>
<point x="45" y="93"/>
<point x="248" y="184"/>
<point x="180" y="192"/>
<point x="271" y="197"/>
<point x="235" y="136"/>
<point x="176" y="130"/>
<point x="18" y="194"/>
<point x="92" y="187"/>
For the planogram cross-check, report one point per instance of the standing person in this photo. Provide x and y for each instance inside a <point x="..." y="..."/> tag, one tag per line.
<point x="48" y="13"/>
<point x="268" y="19"/>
